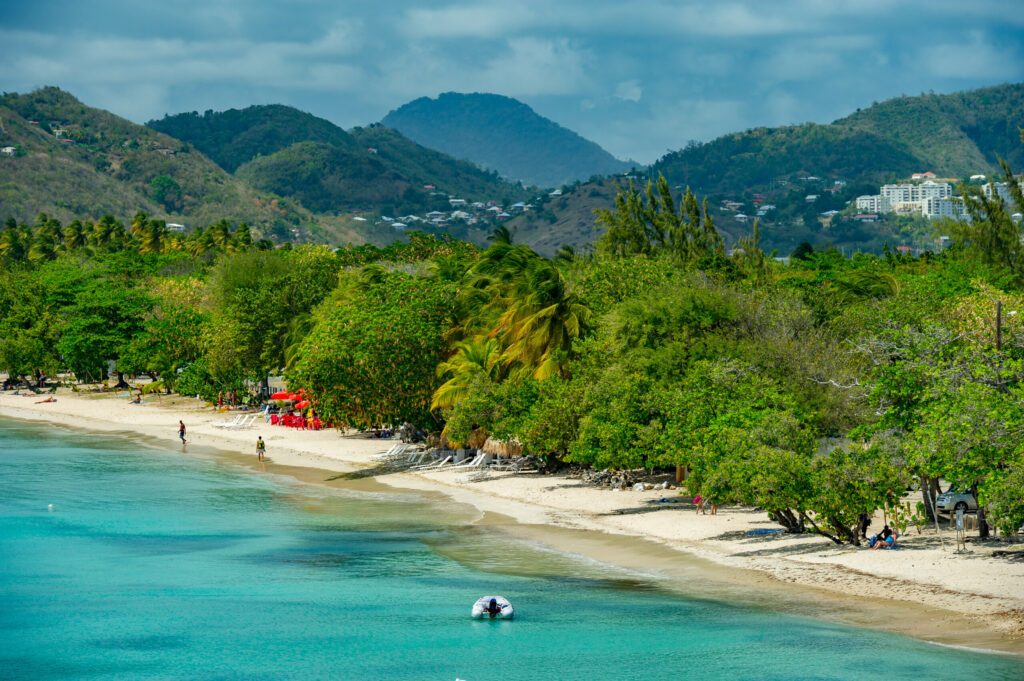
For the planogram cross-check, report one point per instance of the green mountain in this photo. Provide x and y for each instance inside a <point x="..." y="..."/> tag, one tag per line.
<point x="953" y="135"/>
<point x="295" y="154"/>
<point x="75" y="161"/>
<point x="236" y="136"/>
<point x="505" y="135"/>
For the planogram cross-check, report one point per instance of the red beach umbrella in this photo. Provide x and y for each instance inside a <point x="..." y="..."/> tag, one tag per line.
<point x="283" y="395"/>
<point x="302" y="405"/>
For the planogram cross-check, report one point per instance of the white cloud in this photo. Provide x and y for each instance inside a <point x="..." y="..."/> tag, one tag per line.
<point x="976" y="56"/>
<point x="629" y="91"/>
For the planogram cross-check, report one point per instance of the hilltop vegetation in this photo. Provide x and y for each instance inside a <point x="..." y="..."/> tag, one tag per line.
<point x="76" y="161"/>
<point x="291" y="153"/>
<point x="382" y="172"/>
<point x="233" y="137"/>
<point x="505" y="135"/>
<point x="952" y="135"/>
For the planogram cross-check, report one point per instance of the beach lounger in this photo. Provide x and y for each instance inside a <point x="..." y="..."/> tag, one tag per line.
<point x="436" y="465"/>
<point x="230" y="423"/>
<point x="479" y="461"/>
<point x="245" y="422"/>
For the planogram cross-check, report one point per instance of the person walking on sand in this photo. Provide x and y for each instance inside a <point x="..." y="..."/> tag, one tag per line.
<point x="181" y="432"/>
<point x="261" y="448"/>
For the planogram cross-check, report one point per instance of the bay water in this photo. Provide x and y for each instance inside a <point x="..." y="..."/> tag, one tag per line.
<point x="158" y="564"/>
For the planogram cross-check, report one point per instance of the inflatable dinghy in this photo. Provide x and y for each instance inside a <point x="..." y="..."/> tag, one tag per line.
<point x="493" y="607"/>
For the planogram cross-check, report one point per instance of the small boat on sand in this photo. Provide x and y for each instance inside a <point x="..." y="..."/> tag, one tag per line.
<point x="493" y="607"/>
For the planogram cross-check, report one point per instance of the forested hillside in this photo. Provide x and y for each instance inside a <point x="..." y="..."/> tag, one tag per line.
<point x="503" y="134"/>
<point x="953" y="135"/>
<point x="75" y="161"/>
<point x="372" y="169"/>
<point x="236" y="136"/>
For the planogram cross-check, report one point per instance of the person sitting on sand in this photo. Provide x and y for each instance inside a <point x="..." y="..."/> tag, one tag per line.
<point x="885" y="539"/>
<point x="137" y="399"/>
<point x="261" y="448"/>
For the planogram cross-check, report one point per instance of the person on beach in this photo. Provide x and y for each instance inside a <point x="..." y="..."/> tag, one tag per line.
<point x="261" y="448"/>
<point x="181" y="432"/>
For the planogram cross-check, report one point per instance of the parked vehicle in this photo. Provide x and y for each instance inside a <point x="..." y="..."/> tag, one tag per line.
<point x="953" y="500"/>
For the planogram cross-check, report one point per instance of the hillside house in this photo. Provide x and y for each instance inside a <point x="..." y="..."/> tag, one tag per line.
<point x="929" y="175"/>
<point x="8" y="151"/>
<point x="811" y="198"/>
<point x="459" y="215"/>
<point x="456" y="203"/>
<point x="866" y="217"/>
<point x="557" y="192"/>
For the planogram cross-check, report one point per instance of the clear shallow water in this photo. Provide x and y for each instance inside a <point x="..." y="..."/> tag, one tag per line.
<point x="155" y="565"/>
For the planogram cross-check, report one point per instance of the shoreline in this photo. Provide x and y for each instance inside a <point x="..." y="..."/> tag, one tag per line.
<point x="923" y="590"/>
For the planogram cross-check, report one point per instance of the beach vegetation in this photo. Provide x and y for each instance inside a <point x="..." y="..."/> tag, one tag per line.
<point x="817" y="390"/>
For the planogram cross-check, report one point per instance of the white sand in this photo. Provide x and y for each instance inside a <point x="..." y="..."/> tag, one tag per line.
<point x="978" y="595"/>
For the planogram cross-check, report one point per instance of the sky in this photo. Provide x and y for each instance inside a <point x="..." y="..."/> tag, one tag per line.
<point x="639" y="77"/>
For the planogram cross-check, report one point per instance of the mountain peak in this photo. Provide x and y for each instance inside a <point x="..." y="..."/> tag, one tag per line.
<point x="502" y="134"/>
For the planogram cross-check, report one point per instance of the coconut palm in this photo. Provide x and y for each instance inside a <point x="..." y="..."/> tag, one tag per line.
<point x="154" y="234"/>
<point x="74" y="236"/>
<point x="14" y="243"/>
<point x="473" y="360"/>
<point x="543" y="318"/>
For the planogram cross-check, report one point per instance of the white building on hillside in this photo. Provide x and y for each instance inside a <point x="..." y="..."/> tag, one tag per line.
<point x="873" y="203"/>
<point x="1001" y="189"/>
<point x="913" y="192"/>
<point x="952" y="207"/>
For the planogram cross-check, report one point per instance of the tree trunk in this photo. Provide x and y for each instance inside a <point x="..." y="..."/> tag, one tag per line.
<point x="929" y="490"/>
<point x="788" y="520"/>
<point x="983" y="531"/>
<point x="121" y="383"/>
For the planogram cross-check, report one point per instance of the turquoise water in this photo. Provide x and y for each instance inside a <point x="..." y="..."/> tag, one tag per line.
<point x="157" y="565"/>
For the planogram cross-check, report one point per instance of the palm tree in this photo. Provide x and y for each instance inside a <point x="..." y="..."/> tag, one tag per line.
<point x="74" y="236"/>
<point x="500" y="235"/>
<point x="543" y="318"/>
<point x="138" y="224"/>
<point x="14" y="243"/>
<point x="473" y="360"/>
<point x="153" y="237"/>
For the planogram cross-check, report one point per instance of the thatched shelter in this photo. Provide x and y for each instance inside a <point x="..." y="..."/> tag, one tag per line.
<point x="502" y="448"/>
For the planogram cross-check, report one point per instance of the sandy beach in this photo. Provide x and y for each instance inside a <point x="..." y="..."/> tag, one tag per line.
<point x="923" y="589"/>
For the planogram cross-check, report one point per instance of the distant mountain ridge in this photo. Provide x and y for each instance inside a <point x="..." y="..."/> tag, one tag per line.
<point x="953" y="135"/>
<point x="292" y="153"/>
<point x="505" y="135"/>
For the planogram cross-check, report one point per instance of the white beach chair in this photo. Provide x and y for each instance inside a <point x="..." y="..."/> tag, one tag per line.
<point x="436" y="465"/>
<point x="475" y="462"/>
<point x="231" y="423"/>
<point x="244" y="421"/>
